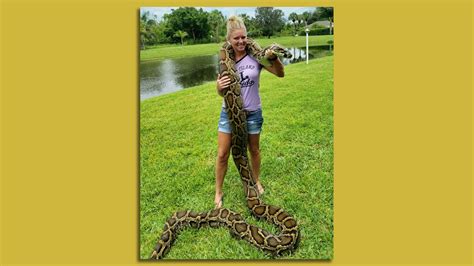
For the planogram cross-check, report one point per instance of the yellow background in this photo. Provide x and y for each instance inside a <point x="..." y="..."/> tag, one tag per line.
<point x="402" y="117"/>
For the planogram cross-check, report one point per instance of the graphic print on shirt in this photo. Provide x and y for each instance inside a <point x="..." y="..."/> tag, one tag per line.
<point x="249" y="73"/>
<point x="245" y="81"/>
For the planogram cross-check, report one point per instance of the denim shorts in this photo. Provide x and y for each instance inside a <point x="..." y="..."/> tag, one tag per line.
<point x="254" y="122"/>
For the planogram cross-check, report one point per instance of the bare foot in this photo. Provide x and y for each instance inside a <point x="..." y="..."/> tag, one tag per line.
<point x="260" y="188"/>
<point x="218" y="199"/>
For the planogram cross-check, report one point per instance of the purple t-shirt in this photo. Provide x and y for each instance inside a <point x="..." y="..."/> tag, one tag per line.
<point x="249" y="71"/>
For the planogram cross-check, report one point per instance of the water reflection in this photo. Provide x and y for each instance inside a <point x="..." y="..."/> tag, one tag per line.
<point x="299" y="53"/>
<point x="170" y="75"/>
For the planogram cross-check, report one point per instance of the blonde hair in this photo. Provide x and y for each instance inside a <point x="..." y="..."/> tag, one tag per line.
<point x="234" y="23"/>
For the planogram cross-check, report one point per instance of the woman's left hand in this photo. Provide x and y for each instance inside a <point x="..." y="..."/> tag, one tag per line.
<point x="270" y="55"/>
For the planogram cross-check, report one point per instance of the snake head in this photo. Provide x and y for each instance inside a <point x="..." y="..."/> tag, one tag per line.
<point x="280" y="51"/>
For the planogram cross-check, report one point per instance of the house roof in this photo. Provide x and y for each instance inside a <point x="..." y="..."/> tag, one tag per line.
<point x="324" y="23"/>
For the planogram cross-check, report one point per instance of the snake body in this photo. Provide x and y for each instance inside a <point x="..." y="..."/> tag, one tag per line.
<point x="288" y="237"/>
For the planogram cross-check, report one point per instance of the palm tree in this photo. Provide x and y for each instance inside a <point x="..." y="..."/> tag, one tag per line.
<point x="300" y="20"/>
<point x="144" y="18"/>
<point x="181" y="34"/>
<point x="293" y="17"/>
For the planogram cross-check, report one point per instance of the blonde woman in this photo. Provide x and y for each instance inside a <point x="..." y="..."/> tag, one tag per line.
<point x="249" y="70"/>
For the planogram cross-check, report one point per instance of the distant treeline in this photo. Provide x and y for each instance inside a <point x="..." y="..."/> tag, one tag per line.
<point x="191" y="25"/>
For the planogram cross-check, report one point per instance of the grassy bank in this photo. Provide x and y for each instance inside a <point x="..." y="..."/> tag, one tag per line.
<point x="178" y="143"/>
<point x="166" y="51"/>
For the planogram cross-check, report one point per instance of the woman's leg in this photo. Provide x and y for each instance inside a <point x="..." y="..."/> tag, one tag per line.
<point x="223" y="150"/>
<point x="254" y="149"/>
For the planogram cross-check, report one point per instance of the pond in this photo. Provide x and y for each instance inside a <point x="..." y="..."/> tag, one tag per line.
<point x="170" y="75"/>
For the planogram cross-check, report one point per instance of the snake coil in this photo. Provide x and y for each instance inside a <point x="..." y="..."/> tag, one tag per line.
<point x="288" y="237"/>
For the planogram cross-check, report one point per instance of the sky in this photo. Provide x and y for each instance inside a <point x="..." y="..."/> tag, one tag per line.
<point x="226" y="11"/>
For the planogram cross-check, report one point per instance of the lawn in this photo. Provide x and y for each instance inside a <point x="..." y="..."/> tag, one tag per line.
<point x="178" y="148"/>
<point x="168" y="51"/>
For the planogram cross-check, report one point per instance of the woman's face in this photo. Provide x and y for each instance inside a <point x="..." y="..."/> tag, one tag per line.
<point x="238" y="39"/>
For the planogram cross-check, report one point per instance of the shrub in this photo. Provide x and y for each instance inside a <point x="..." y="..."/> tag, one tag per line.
<point x="316" y="29"/>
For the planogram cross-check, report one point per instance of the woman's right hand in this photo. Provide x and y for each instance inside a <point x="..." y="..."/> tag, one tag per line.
<point x="222" y="82"/>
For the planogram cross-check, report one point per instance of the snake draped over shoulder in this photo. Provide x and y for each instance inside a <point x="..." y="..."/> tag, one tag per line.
<point x="288" y="237"/>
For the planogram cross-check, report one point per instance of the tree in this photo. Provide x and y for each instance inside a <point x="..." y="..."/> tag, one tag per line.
<point x="142" y="33"/>
<point x="270" y="20"/>
<point x="145" y="22"/>
<point x="294" y="18"/>
<point x="217" y="23"/>
<point x="190" y="20"/>
<point x="306" y="16"/>
<point x="300" y="19"/>
<point x="315" y="15"/>
<point x="151" y="31"/>
<point x="252" y="28"/>
<point x="182" y="35"/>
<point x="326" y="13"/>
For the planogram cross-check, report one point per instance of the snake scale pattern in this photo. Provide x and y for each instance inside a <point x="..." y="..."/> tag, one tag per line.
<point x="288" y="237"/>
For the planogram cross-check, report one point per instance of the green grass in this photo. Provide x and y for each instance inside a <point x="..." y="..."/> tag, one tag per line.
<point x="178" y="148"/>
<point x="168" y="51"/>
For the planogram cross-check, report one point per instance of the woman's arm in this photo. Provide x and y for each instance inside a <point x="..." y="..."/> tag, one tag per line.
<point x="276" y="66"/>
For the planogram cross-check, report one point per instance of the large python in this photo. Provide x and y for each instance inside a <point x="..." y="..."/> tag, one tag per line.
<point x="288" y="237"/>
